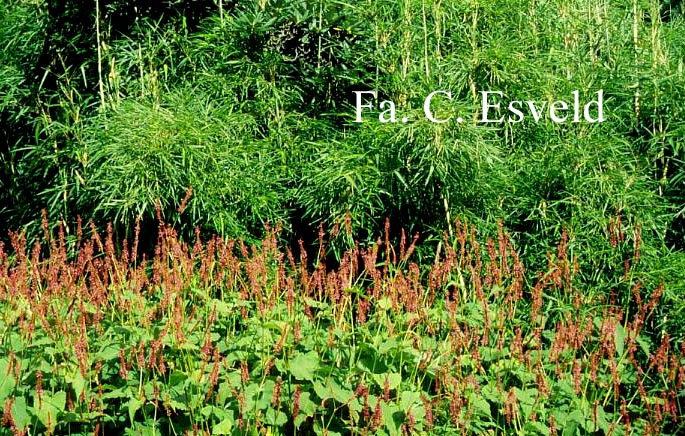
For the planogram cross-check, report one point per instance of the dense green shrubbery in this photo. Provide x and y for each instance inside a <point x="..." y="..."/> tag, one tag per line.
<point x="291" y="67"/>
<point x="277" y="60"/>
<point x="145" y="156"/>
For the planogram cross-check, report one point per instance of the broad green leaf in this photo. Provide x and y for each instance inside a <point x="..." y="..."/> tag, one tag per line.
<point x="41" y="343"/>
<point x="394" y="380"/>
<point x="189" y="346"/>
<point x="480" y="405"/>
<point x="265" y="395"/>
<point x="139" y="429"/>
<point x="253" y="394"/>
<point x="316" y="303"/>
<point x="81" y="417"/>
<point x="490" y="393"/>
<point x="410" y="400"/>
<point x="48" y="408"/>
<point x="175" y="405"/>
<point x="332" y="390"/>
<point x="387" y="345"/>
<point x="107" y="353"/>
<point x="341" y="394"/>
<point x="602" y="420"/>
<point x="78" y="383"/>
<point x="563" y="387"/>
<point x="304" y="366"/>
<point x="20" y="413"/>
<point x="221" y="307"/>
<point x="209" y="411"/>
<point x="574" y="420"/>
<point x="277" y="326"/>
<point x="223" y="428"/>
<point x="307" y="406"/>
<point x="276" y="418"/>
<point x="536" y="427"/>
<point x="393" y="418"/>
<point x="115" y="393"/>
<point x="177" y="378"/>
<point x="527" y="399"/>
<point x="7" y="381"/>
<point x="134" y="404"/>
<point x="370" y="360"/>
<point x="384" y="303"/>
<point x="224" y="393"/>
<point x="7" y="385"/>
<point x="319" y="430"/>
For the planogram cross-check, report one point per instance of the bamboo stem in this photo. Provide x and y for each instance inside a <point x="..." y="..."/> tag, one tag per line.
<point x="99" y="43"/>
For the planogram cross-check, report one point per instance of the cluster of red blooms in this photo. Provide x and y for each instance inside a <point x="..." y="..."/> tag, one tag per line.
<point x="69" y="300"/>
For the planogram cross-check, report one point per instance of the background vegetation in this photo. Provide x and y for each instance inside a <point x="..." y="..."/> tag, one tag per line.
<point x="220" y="117"/>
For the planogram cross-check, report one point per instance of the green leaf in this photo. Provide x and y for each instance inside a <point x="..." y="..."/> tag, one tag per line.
<point x="78" y="383"/>
<point x="536" y="427"/>
<point x="341" y="394"/>
<point x="20" y="413"/>
<point x="384" y="303"/>
<point x="107" y="353"/>
<point x="564" y="387"/>
<point x="602" y="420"/>
<point x="526" y="399"/>
<point x="210" y="411"/>
<point x="370" y="361"/>
<point x="7" y="382"/>
<point x="619" y="338"/>
<point x="254" y="396"/>
<point x="177" y="378"/>
<point x="332" y="390"/>
<point x="139" y="429"/>
<point x="224" y="427"/>
<point x="304" y="366"/>
<point x="276" y="418"/>
<point x="642" y="342"/>
<point x="409" y="399"/>
<point x="115" y="393"/>
<point x="307" y="406"/>
<point x="573" y="421"/>
<point x="222" y="308"/>
<point x="393" y="418"/>
<point x="490" y="393"/>
<point x="176" y="405"/>
<point x="48" y="408"/>
<point x="277" y="326"/>
<point x="480" y="405"/>
<point x="224" y="393"/>
<point x="7" y="385"/>
<point x="394" y="380"/>
<point x="265" y="394"/>
<point x="134" y="404"/>
<point x="386" y="345"/>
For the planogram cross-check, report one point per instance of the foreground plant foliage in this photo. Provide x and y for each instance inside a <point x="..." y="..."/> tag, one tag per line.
<point x="222" y="338"/>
